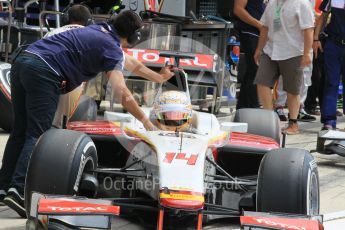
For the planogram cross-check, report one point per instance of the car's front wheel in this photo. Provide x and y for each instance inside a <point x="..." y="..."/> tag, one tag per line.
<point x="59" y="163"/>
<point x="288" y="182"/>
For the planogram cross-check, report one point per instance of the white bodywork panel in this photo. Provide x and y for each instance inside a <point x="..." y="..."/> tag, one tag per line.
<point x="174" y="160"/>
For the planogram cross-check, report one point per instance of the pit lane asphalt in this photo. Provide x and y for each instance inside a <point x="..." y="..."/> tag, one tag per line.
<point x="331" y="171"/>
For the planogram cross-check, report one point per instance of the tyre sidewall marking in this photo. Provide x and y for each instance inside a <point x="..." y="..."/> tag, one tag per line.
<point x="311" y="175"/>
<point x="83" y="161"/>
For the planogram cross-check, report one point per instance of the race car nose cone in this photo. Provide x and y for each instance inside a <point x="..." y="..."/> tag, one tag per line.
<point x="182" y="199"/>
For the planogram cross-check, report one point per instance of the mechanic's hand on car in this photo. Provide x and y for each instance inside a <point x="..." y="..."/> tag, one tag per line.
<point x="316" y="47"/>
<point x="166" y="73"/>
<point x="148" y="125"/>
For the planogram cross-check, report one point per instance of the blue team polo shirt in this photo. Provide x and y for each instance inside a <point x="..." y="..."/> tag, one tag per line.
<point x="80" y="54"/>
<point x="336" y="27"/>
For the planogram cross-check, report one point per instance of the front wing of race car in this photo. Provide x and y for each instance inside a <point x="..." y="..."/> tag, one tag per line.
<point x="274" y="221"/>
<point x="80" y="212"/>
<point x="47" y="211"/>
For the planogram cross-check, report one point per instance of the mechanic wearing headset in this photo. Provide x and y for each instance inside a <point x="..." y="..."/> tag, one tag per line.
<point x="56" y="65"/>
<point x="74" y="16"/>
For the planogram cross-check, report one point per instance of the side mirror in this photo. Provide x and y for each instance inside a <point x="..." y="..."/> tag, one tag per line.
<point x="234" y="127"/>
<point x="117" y="117"/>
<point x="122" y="118"/>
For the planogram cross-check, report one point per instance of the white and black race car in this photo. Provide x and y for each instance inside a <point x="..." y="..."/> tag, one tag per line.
<point x="87" y="175"/>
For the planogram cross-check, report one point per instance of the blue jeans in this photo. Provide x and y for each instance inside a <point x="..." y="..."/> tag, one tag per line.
<point x="35" y="94"/>
<point x="334" y="58"/>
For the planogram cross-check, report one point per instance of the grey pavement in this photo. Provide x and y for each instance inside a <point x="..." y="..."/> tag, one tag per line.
<point x="331" y="171"/>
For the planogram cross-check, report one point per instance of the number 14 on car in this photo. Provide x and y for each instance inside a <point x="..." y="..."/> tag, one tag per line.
<point x="171" y="156"/>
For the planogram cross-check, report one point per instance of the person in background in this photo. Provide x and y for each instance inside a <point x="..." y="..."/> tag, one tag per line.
<point x="284" y="49"/>
<point x="75" y="16"/>
<point x="280" y="96"/>
<point x="334" y="57"/>
<point x="249" y="12"/>
<point x="317" y="78"/>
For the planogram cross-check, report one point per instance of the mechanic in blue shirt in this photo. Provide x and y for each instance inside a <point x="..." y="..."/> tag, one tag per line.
<point x="56" y="65"/>
<point x="334" y="56"/>
<point x="249" y="12"/>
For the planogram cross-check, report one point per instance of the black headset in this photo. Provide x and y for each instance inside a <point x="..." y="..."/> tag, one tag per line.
<point x="135" y="37"/>
<point x="64" y="17"/>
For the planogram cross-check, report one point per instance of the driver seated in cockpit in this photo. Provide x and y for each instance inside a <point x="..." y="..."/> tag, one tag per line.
<point x="172" y="111"/>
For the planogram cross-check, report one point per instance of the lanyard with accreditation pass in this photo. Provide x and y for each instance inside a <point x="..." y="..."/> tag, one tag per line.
<point x="277" y="20"/>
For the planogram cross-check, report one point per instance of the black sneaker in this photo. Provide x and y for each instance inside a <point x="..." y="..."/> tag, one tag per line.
<point x="281" y="114"/>
<point x="15" y="201"/>
<point x="314" y="112"/>
<point x="2" y="196"/>
<point x="304" y="116"/>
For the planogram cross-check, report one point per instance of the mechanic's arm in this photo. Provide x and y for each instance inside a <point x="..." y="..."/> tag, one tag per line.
<point x="139" y="69"/>
<point x="241" y="12"/>
<point x="122" y="93"/>
<point x="320" y="24"/>
<point x="261" y="44"/>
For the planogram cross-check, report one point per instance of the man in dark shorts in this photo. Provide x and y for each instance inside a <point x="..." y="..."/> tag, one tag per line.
<point x="285" y="42"/>
<point x="56" y="65"/>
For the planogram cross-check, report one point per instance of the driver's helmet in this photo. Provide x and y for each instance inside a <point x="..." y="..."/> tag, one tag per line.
<point x="173" y="111"/>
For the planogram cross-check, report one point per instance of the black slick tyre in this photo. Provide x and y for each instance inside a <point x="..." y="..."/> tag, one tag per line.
<point x="58" y="162"/>
<point x="288" y="182"/>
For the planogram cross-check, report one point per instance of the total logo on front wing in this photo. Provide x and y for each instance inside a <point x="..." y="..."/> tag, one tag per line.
<point x="279" y="223"/>
<point x="55" y="206"/>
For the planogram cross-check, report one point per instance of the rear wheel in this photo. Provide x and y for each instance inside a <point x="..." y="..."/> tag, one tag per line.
<point x="6" y="114"/>
<point x="288" y="182"/>
<point x="260" y="122"/>
<point x="61" y="163"/>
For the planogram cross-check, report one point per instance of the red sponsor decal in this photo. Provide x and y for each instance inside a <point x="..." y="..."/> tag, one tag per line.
<point x="56" y="206"/>
<point x="201" y="61"/>
<point x="95" y="127"/>
<point x="251" y="140"/>
<point x="169" y="157"/>
<point x="281" y="223"/>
